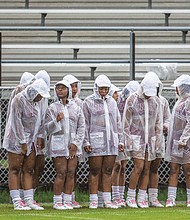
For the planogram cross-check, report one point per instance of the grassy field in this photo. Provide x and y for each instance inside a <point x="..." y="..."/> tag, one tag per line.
<point x="180" y="212"/>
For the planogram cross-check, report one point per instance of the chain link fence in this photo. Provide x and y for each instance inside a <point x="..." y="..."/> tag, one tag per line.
<point x="82" y="171"/>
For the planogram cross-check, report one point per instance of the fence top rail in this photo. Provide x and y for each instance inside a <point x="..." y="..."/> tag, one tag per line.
<point x="94" y="11"/>
<point x="93" y="28"/>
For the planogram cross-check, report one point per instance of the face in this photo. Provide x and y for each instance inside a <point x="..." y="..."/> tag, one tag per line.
<point x="38" y="98"/>
<point x="115" y="96"/>
<point x="61" y="91"/>
<point x="103" y="91"/>
<point x="177" y="91"/>
<point x="74" y="87"/>
<point x="146" y="97"/>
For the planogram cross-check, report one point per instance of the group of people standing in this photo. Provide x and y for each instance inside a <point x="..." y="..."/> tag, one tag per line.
<point x="108" y="127"/>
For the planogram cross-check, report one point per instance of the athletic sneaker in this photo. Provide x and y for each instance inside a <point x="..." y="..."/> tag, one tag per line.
<point x="76" y="205"/>
<point x="110" y="205"/>
<point x="130" y="202"/>
<point x="68" y="205"/>
<point x="100" y="204"/>
<point x="33" y="205"/>
<point x="188" y="203"/>
<point x="20" y="205"/>
<point x="119" y="202"/>
<point x="59" y="206"/>
<point x="155" y="203"/>
<point x="170" y="203"/>
<point x="143" y="204"/>
<point x="93" y="205"/>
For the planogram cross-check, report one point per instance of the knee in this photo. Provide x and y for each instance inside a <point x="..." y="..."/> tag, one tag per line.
<point x="61" y="175"/>
<point x="29" y="171"/>
<point x="95" y="171"/>
<point x="107" y="171"/>
<point x="173" y="171"/>
<point x="122" y="172"/>
<point x="117" y="167"/>
<point x="71" y="174"/>
<point x="187" y="173"/>
<point x="138" y="169"/>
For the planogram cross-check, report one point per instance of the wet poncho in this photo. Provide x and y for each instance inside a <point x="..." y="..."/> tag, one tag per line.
<point x="26" y="79"/>
<point x="72" y="79"/>
<point x="24" y="120"/>
<point x="42" y="74"/>
<point x="179" y="130"/>
<point x="164" y="111"/>
<point x="68" y="130"/>
<point x="130" y="88"/>
<point x="103" y="122"/>
<point x="141" y="122"/>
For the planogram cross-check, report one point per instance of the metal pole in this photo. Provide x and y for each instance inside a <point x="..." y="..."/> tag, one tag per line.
<point x="149" y="3"/>
<point x="26" y="3"/>
<point x="0" y="57"/>
<point x="132" y="55"/>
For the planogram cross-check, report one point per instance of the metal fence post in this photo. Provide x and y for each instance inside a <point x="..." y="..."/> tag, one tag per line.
<point x="132" y="55"/>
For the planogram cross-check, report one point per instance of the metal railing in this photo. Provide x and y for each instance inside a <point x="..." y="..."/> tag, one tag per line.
<point x="60" y="29"/>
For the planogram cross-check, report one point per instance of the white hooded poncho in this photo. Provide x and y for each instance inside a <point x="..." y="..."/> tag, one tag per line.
<point x="69" y="130"/>
<point x="103" y="122"/>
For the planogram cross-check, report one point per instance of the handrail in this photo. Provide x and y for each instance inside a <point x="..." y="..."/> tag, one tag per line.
<point x="60" y="29"/>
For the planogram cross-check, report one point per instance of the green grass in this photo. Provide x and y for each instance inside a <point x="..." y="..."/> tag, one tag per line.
<point x="179" y="212"/>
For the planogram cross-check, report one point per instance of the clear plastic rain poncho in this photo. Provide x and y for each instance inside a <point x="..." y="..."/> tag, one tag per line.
<point x="26" y="79"/>
<point x="103" y="122"/>
<point x="24" y="120"/>
<point x="130" y="88"/>
<point x="141" y="121"/>
<point x="72" y="79"/>
<point x="42" y="74"/>
<point x="179" y="130"/>
<point x="164" y="111"/>
<point x="69" y="130"/>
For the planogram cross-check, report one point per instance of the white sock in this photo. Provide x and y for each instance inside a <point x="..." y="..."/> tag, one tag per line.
<point x="115" y="193"/>
<point x="57" y="199"/>
<point x="15" y="195"/>
<point x="153" y="193"/>
<point x="100" y="197"/>
<point x="107" y="196"/>
<point x="73" y="196"/>
<point x="188" y="194"/>
<point x="21" y="192"/>
<point x="131" y="193"/>
<point x="141" y="195"/>
<point x="29" y="195"/>
<point x="68" y="198"/>
<point x="122" y="192"/>
<point x="93" y="198"/>
<point x="172" y="192"/>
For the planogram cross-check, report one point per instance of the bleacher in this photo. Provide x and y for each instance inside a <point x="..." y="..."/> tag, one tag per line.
<point x="31" y="50"/>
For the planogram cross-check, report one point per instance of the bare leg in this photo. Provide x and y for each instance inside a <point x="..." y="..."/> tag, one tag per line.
<point x="38" y="170"/>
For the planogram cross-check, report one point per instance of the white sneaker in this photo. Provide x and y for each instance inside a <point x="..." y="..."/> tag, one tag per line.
<point x="130" y="202"/>
<point x="20" y="205"/>
<point x="59" y="206"/>
<point x="110" y="205"/>
<point x="119" y="202"/>
<point x="100" y="205"/>
<point x="155" y="203"/>
<point x="68" y="205"/>
<point x="33" y="204"/>
<point x="170" y="203"/>
<point x="93" y="205"/>
<point x="188" y="203"/>
<point x="76" y="205"/>
<point x="143" y="204"/>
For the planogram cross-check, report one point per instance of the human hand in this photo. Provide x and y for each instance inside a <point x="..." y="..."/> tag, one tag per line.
<point x="60" y="116"/>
